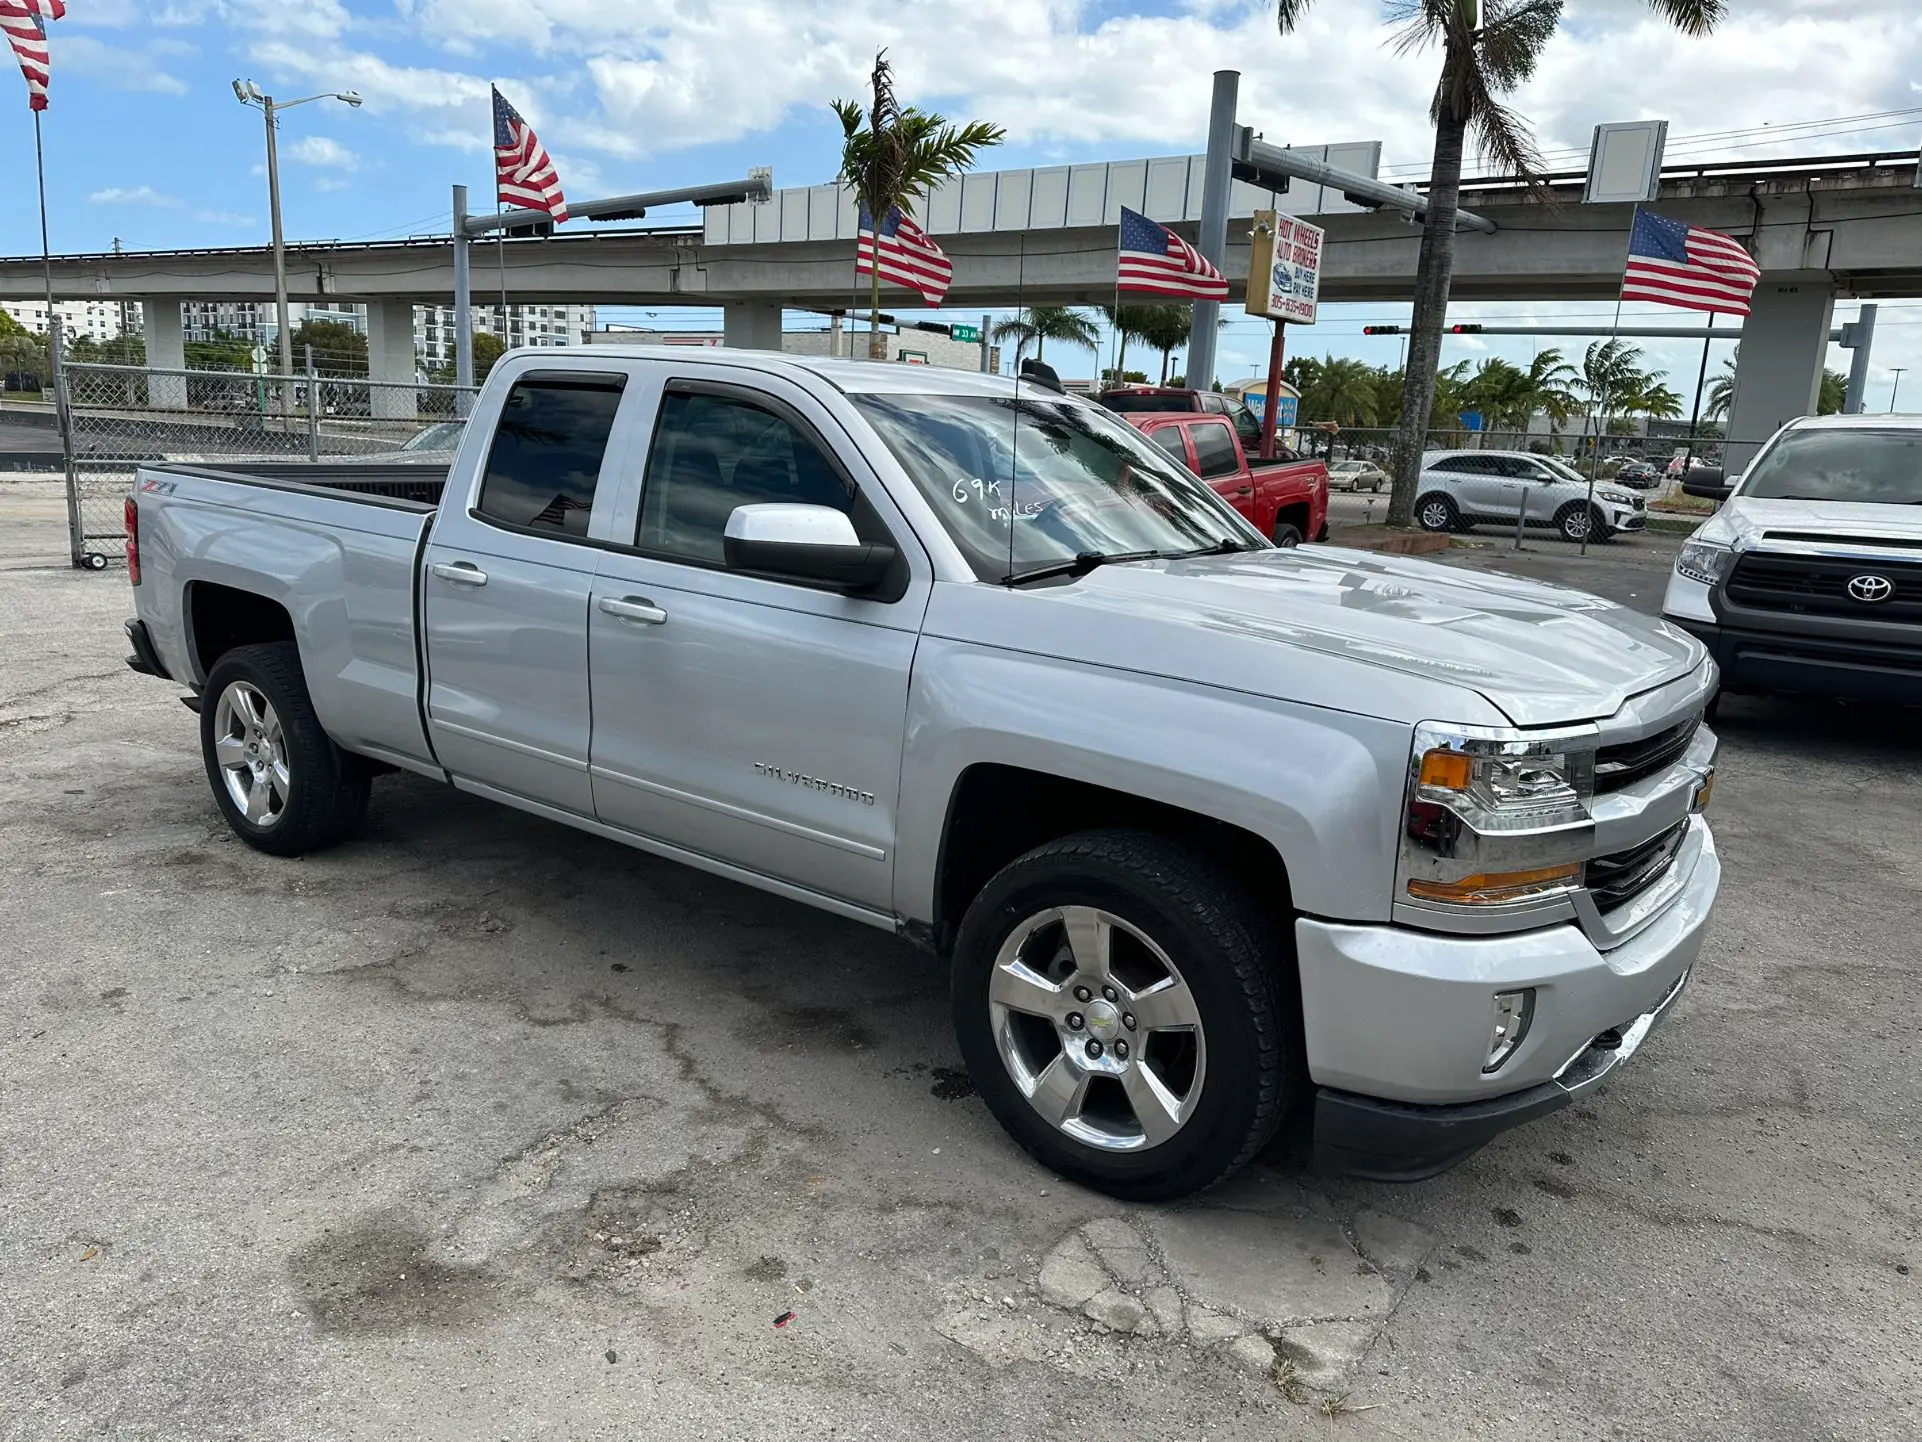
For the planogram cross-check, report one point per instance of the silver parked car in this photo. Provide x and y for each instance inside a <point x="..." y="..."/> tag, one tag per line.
<point x="1356" y="476"/>
<point x="1462" y="489"/>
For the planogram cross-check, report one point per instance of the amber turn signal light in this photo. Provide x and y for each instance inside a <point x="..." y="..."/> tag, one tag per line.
<point x="1492" y="888"/>
<point x="1447" y="770"/>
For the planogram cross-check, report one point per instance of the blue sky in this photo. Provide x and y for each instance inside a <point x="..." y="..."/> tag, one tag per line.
<point x="147" y="144"/>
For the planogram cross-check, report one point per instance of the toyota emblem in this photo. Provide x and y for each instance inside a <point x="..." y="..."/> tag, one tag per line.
<point x="1871" y="590"/>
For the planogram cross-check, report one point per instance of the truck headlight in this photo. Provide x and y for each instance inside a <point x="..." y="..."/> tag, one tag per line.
<point x="1704" y="561"/>
<point x="1496" y="817"/>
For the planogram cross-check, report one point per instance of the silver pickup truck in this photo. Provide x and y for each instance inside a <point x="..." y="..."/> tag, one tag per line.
<point x="1220" y="838"/>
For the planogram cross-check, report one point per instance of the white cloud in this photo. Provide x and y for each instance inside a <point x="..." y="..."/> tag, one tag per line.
<point x="115" y="67"/>
<point x="224" y="217"/>
<point x="138" y="195"/>
<point x="324" y="152"/>
<point x="384" y="85"/>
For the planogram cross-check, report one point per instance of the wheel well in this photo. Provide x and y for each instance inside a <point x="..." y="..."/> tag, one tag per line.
<point x="1294" y="515"/>
<point x="223" y="617"/>
<point x="1001" y="812"/>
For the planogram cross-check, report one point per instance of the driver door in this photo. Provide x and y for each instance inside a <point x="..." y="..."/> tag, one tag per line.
<point x="753" y="720"/>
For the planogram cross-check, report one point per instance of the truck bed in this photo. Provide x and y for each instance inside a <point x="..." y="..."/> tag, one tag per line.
<point x="414" y="485"/>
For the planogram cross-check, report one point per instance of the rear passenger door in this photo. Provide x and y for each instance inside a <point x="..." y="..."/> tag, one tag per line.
<point x="504" y="592"/>
<point x="750" y="719"/>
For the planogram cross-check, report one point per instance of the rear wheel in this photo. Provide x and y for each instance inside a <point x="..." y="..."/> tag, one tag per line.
<point x="1436" y="512"/>
<point x="1286" y="534"/>
<point x="282" y="784"/>
<point x="1120" y="1005"/>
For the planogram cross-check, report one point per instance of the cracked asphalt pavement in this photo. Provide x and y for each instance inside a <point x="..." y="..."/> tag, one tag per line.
<point x="481" y="1128"/>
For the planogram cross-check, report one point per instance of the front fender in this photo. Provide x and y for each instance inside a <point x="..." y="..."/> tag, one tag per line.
<point x="1323" y="787"/>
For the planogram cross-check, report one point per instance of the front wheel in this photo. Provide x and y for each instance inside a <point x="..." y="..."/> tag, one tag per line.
<point x="1121" y="1007"/>
<point x="1578" y="522"/>
<point x="282" y="784"/>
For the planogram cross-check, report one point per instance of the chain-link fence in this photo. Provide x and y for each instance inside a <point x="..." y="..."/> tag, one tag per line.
<point x="119" y="418"/>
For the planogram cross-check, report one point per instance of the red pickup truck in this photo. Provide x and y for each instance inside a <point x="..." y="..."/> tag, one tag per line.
<point x="1286" y="498"/>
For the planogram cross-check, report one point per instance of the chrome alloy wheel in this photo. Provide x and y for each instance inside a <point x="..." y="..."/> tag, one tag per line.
<point x="1097" y="1028"/>
<point x="251" y="754"/>
<point x="1434" y="515"/>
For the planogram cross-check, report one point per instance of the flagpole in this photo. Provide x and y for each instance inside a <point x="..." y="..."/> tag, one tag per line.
<point x="1701" y="379"/>
<point x="1614" y="334"/>
<point x="46" y="272"/>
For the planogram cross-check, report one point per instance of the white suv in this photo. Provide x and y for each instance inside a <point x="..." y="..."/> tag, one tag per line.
<point x="1461" y="489"/>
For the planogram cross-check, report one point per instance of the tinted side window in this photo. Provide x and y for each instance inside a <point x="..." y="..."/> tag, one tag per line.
<point x="546" y="458"/>
<point x="1246" y="426"/>
<point x="1169" y="439"/>
<point x="1143" y="401"/>
<point x="1214" y="450"/>
<point x="1213" y="404"/>
<point x="1451" y="463"/>
<point x="713" y="453"/>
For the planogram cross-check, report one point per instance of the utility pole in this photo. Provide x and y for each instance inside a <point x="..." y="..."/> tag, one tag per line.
<point x="1857" y="338"/>
<point x="1217" y="187"/>
<point x="248" y="93"/>
<point x="1896" y="389"/>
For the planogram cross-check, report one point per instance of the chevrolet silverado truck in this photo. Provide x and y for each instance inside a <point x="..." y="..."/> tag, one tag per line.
<point x="1220" y="838"/>
<point x="1286" y="499"/>
<point x="1809" y="577"/>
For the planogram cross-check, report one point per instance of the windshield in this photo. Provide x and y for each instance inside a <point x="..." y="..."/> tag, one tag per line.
<point x="1564" y="470"/>
<point x="1877" y="467"/>
<point x="1027" y="482"/>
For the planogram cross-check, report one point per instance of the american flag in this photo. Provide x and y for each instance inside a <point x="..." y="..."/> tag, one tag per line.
<point x="22" y="22"/>
<point x="522" y="166"/>
<point x="1156" y="260"/>
<point x="908" y="255"/>
<point x="1687" y="266"/>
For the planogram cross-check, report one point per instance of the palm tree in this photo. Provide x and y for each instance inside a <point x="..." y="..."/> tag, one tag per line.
<point x="1550" y="382"/>
<point x="1611" y="372"/>
<point x="1488" y="48"/>
<point x="1834" y="393"/>
<point x="1043" y="323"/>
<point x="900" y="155"/>
<point x="1654" y="399"/>
<point x="1721" y="391"/>
<point x="1500" y="391"/>
<point x="1341" y="390"/>
<point x="1165" y="328"/>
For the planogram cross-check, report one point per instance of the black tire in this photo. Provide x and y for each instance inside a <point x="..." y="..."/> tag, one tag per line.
<point x="1568" y="521"/>
<point x="1237" y="972"/>
<point x="325" y="795"/>
<point x="1286" y="535"/>
<point x="1437" y="511"/>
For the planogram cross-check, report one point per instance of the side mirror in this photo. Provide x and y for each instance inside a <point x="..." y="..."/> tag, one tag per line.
<point x="814" y="544"/>
<point x="1709" y="483"/>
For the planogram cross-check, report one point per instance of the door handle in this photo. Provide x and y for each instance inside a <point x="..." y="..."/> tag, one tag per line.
<point x="634" y="608"/>
<point x="462" y="573"/>
<point x="1245" y="491"/>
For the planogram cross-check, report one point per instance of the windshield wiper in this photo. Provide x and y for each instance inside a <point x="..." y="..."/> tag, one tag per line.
<point x="1083" y="563"/>
<point x="1226" y="546"/>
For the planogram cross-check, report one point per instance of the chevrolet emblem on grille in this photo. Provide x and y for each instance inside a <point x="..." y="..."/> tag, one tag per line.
<point x="1871" y="590"/>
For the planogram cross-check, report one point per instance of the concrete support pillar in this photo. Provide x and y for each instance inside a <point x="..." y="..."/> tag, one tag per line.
<point x="749" y="326"/>
<point x="390" y="359"/>
<point x="1778" y="375"/>
<point x="166" y="351"/>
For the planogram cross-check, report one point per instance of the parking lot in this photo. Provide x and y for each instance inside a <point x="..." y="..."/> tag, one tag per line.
<point x="479" y="1127"/>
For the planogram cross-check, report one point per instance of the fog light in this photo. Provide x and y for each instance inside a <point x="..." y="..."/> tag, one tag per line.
<point x="1703" y="793"/>
<point x="1514" y="1010"/>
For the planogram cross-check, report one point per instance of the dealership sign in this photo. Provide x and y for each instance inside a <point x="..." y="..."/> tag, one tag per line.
<point x="1284" y="268"/>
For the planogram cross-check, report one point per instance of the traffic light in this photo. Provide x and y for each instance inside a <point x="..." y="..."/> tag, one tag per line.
<point x="1465" y="330"/>
<point x="1381" y="330"/>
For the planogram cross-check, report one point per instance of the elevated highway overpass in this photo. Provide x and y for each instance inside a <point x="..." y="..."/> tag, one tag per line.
<point x="1820" y="227"/>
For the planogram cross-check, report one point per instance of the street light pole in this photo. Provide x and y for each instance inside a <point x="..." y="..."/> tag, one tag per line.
<point x="269" y="109"/>
<point x="248" y="93"/>
<point x="1896" y="389"/>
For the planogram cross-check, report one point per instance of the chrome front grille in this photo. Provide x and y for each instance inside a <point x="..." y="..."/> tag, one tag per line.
<point x="1627" y="762"/>
<point x="1621" y="876"/>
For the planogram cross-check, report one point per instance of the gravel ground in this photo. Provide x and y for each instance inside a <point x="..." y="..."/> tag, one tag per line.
<point x="477" y="1127"/>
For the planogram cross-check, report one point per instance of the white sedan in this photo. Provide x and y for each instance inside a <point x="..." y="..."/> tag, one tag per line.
<point x="1356" y="476"/>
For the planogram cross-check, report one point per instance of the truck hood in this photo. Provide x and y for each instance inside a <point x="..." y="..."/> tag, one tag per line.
<point x="1540" y="654"/>
<point x="1745" y="522"/>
